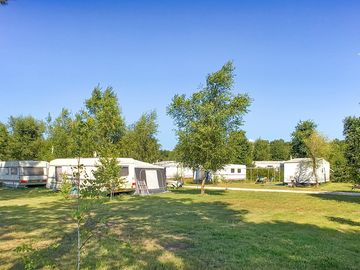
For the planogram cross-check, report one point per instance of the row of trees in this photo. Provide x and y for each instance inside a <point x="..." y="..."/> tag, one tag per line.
<point x="104" y="132"/>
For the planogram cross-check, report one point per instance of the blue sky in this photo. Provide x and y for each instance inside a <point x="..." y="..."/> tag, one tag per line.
<point x="296" y="59"/>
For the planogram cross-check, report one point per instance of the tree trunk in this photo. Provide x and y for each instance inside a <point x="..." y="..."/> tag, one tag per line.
<point x="78" y="245"/>
<point x="203" y="186"/>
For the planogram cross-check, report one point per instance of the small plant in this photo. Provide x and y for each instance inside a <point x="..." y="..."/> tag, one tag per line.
<point x="66" y="185"/>
<point x="27" y="251"/>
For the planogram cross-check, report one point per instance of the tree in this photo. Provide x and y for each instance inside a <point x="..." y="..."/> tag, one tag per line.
<point x="338" y="162"/>
<point x="140" y="141"/>
<point x="261" y="150"/>
<point x="316" y="147"/>
<point x="279" y="150"/>
<point x="241" y="148"/>
<point x="165" y="155"/>
<point x="302" y="131"/>
<point x="206" y="119"/>
<point x="108" y="175"/>
<point x="352" y="146"/>
<point x="4" y="143"/>
<point x="106" y="125"/>
<point x="26" y="140"/>
<point x="60" y="137"/>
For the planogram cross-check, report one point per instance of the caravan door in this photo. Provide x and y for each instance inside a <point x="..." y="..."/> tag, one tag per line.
<point x="152" y="179"/>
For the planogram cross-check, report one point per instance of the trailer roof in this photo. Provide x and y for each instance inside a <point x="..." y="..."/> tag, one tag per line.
<point x="95" y="161"/>
<point x="23" y="163"/>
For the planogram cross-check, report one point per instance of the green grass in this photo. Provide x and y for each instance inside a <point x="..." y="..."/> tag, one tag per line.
<point x="183" y="230"/>
<point x="344" y="187"/>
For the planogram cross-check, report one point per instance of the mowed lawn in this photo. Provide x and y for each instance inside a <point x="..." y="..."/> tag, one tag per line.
<point x="183" y="230"/>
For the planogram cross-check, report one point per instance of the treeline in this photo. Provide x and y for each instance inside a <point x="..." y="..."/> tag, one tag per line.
<point x="98" y="127"/>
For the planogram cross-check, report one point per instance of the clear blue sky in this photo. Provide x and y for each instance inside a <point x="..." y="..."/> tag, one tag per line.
<point x="296" y="59"/>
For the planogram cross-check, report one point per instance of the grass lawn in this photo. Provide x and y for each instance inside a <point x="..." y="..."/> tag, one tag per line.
<point x="183" y="230"/>
<point x="346" y="187"/>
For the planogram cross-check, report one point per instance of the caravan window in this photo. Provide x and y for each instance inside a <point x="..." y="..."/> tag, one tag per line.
<point x="32" y="171"/>
<point x="124" y="171"/>
<point x="4" y="171"/>
<point x="14" y="171"/>
<point x="232" y="170"/>
<point x="239" y="170"/>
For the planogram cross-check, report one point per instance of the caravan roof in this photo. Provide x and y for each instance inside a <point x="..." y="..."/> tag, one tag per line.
<point x="23" y="163"/>
<point x="94" y="161"/>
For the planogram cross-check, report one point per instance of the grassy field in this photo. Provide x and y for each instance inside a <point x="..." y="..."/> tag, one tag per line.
<point x="183" y="230"/>
<point x="345" y="187"/>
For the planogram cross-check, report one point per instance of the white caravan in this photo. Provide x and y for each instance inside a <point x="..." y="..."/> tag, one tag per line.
<point x="23" y="173"/>
<point x="132" y="171"/>
<point x="299" y="170"/>
<point x="231" y="172"/>
<point x="176" y="169"/>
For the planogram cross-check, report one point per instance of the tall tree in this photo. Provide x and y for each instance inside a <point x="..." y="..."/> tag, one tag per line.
<point x="140" y="141"/>
<point x="241" y="148"/>
<point x="26" y="137"/>
<point x="104" y="118"/>
<point x="338" y="162"/>
<point x="279" y="150"/>
<point x="352" y="144"/>
<point x="206" y="119"/>
<point x="4" y="143"/>
<point x="317" y="147"/>
<point x="261" y="150"/>
<point x="60" y="137"/>
<point x="303" y="130"/>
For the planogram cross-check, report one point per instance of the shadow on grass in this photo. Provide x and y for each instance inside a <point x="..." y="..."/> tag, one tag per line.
<point x="194" y="191"/>
<point x="8" y="193"/>
<point x="344" y="221"/>
<point x="166" y="232"/>
<point x="338" y="198"/>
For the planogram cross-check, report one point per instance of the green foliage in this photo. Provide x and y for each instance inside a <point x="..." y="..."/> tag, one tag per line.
<point x="352" y="146"/>
<point x="104" y="118"/>
<point x="276" y="175"/>
<point x="165" y="155"/>
<point x="261" y="150"/>
<point x="302" y="131"/>
<point x="206" y="119"/>
<point x="60" y="136"/>
<point x="26" y="251"/>
<point x="241" y="148"/>
<point x="108" y="176"/>
<point x="66" y="185"/>
<point x="280" y="150"/>
<point x="26" y="138"/>
<point x="140" y="140"/>
<point x="4" y="143"/>
<point x="340" y="171"/>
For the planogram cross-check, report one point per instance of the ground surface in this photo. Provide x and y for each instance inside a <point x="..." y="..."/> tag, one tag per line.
<point x="341" y="187"/>
<point x="182" y="230"/>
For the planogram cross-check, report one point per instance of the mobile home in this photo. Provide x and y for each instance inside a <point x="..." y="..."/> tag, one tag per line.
<point x="23" y="173"/>
<point x="231" y="172"/>
<point x="133" y="171"/>
<point x="299" y="170"/>
<point x="176" y="169"/>
<point x="269" y="164"/>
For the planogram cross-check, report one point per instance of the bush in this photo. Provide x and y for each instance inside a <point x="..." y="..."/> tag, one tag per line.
<point x="66" y="185"/>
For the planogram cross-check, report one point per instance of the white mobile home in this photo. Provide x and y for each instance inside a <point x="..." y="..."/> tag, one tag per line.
<point x="23" y="173"/>
<point x="299" y="170"/>
<point x="133" y="171"/>
<point x="268" y="164"/>
<point x="175" y="170"/>
<point x="230" y="172"/>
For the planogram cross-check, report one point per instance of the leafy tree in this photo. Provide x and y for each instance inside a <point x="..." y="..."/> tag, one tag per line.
<point x="60" y="137"/>
<point x="279" y="150"/>
<point x="317" y="147"/>
<point x="4" y="143"/>
<point x="165" y="155"/>
<point x="206" y="119"/>
<point x="26" y="137"/>
<point x="261" y="150"/>
<point x="303" y="130"/>
<point x="338" y="162"/>
<point x="105" y="122"/>
<point x="241" y="148"/>
<point x="352" y="146"/>
<point x="140" y="141"/>
<point x="108" y="175"/>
